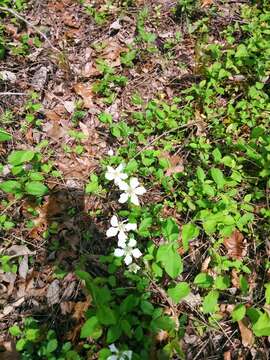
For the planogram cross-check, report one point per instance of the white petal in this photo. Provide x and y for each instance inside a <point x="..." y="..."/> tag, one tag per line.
<point x="134" y="199"/>
<point x="113" y="357"/>
<point x="113" y="348"/>
<point x="128" y="354"/>
<point x="132" y="243"/>
<point x="123" y="176"/>
<point x="122" y="243"/>
<point x="122" y="185"/>
<point x="136" y="253"/>
<point x="120" y="168"/>
<point x="119" y="252"/>
<point x="128" y="260"/>
<point x="112" y="231"/>
<point x="122" y="236"/>
<point x="134" y="182"/>
<point x="110" y="152"/>
<point x="114" y="221"/>
<point x="131" y="226"/>
<point x="140" y="190"/>
<point x="123" y="198"/>
<point x="109" y="175"/>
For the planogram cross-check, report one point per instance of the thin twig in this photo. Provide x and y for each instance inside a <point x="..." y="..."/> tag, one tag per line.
<point x="12" y="93"/>
<point x="13" y="12"/>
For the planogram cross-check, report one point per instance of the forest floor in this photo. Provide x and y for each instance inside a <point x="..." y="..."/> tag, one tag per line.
<point x="178" y="91"/>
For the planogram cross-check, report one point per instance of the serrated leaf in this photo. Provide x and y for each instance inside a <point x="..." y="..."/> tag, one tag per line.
<point x="203" y="280"/>
<point x="4" y="136"/>
<point x="189" y="232"/>
<point x="19" y="157"/>
<point x="238" y="312"/>
<point x="170" y="259"/>
<point x="210" y="302"/>
<point x="180" y="291"/>
<point x="35" y="188"/>
<point x="218" y="177"/>
<point x="91" y="328"/>
<point x="10" y="186"/>
<point x="170" y="229"/>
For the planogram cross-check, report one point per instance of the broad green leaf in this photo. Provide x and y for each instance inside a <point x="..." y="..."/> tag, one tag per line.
<point x="267" y="293"/>
<point x="222" y="282"/>
<point x="144" y="227"/>
<point x="218" y="177"/>
<point x="113" y="334"/>
<point x="4" y="136"/>
<point x="19" y="157"/>
<point x="180" y="291"/>
<point x="170" y="229"/>
<point x="91" y="328"/>
<point x="262" y="325"/>
<point x="241" y="51"/>
<point x="210" y="302"/>
<point x="189" y="232"/>
<point x="36" y="188"/>
<point x="170" y="259"/>
<point x="106" y="315"/>
<point x="200" y="174"/>
<point x="15" y="330"/>
<point x="10" y="186"/>
<point x="146" y="307"/>
<point x="203" y="280"/>
<point x="238" y="312"/>
<point x="51" y="346"/>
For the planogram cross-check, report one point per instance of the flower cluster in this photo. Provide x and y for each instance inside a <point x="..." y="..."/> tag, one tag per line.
<point x="131" y="190"/>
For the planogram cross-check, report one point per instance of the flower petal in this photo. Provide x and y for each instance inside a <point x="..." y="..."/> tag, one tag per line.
<point x="128" y="260"/>
<point x="113" y="357"/>
<point x="130" y="226"/>
<point x="112" y="231"/>
<point x="120" y="168"/>
<point x="109" y="175"/>
<point x="114" y="221"/>
<point x="119" y="252"/>
<point x="122" y="243"/>
<point x="122" y="236"/>
<point x="134" y="199"/>
<point x="136" y="253"/>
<point x="113" y="348"/>
<point x="123" y="176"/>
<point x="132" y="243"/>
<point x="123" y="198"/>
<point x="134" y="182"/>
<point x="140" y="190"/>
<point x="122" y="185"/>
<point x="128" y="354"/>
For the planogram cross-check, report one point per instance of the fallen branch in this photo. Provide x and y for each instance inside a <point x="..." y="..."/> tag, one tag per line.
<point x="12" y="93"/>
<point x="13" y="12"/>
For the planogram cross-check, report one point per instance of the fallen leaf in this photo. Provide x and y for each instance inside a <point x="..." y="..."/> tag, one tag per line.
<point x="80" y="309"/>
<point x="227" y="355"/>
<point x="205" y="3"/>
<point x="23" y="268"/>
<point x="53" y="293"/>
<point x="19" y="250"/>
<point x="69" y="106"/>
<point x="176" y="164"/>
<point x="234" y="244"/>
<point x="162" y="335"/>
<point x="85" y="91"/>
<point x="246" y="334"/>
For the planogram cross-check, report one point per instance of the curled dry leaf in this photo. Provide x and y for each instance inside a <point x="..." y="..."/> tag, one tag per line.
<point x="85" y="91"/>
<point x="227" y="355"/>
<point x="206" y="3"/>
<point x="23" y="268"/>
<point x="234" y="244"/>
<point x="246" y="334"/>
<point x="176" y="163"/>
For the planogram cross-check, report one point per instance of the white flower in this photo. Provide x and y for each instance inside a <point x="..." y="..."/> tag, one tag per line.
<point x="134" y="268"/>
<point x="128" y="251"/>
<point x="110" y="152"/>
<point x="116" y="175"/>
<point x="119" y="355"/>
<point x="131" y="190"/>
<point x="120" y="228"/>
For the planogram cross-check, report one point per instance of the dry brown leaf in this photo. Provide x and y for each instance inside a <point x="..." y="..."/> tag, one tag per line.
<point x="23" y="268"/>
<point x="80" y="308"/>
<point x="53" y="293"/>
<point x="176" y="163"/>
<point x="162" y="335"/>
<point x="234" y="244"/>
<point x="227" y="355"/>
<point x="246" y="334"/>
<point x="205" y="3"/>
<point x="10" y="352"/>
<point x="85" y="91"/>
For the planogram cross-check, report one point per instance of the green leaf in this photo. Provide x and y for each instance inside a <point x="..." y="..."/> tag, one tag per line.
<point x="180" y="291"/>
<point x="189" y="232"/>
<point x="91" y="328"/>
<point x="125" y="326"/>
<point x="14" y="330"/>
<point x="262" y="325"/>
<point x="238" y="312"/>
<point x="218" y="177"/>
<point x="203" y="280"/>
<point x="106" y="315"/>
<point x="93" y="186"/>
<point x="19" y="157"/>
<point x="170" y="259"/>
<point x="170" y="229"/>
<point x="21" y="344"/>
<point x="113" y="334"/>
<point x="241" y="51"/>
<point x="222" y="282"/>
<point x="36" y="188"/>
<point x="10" y="186"/>
<point x="200" y="174"/>
<point x="4" y="136"/>
<point x="267" y="293"/>
<point x="146" y="307"/>
<point x="51" y="346"/>
<point x="144" y="227"/>
<point x="210" y="302"/>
